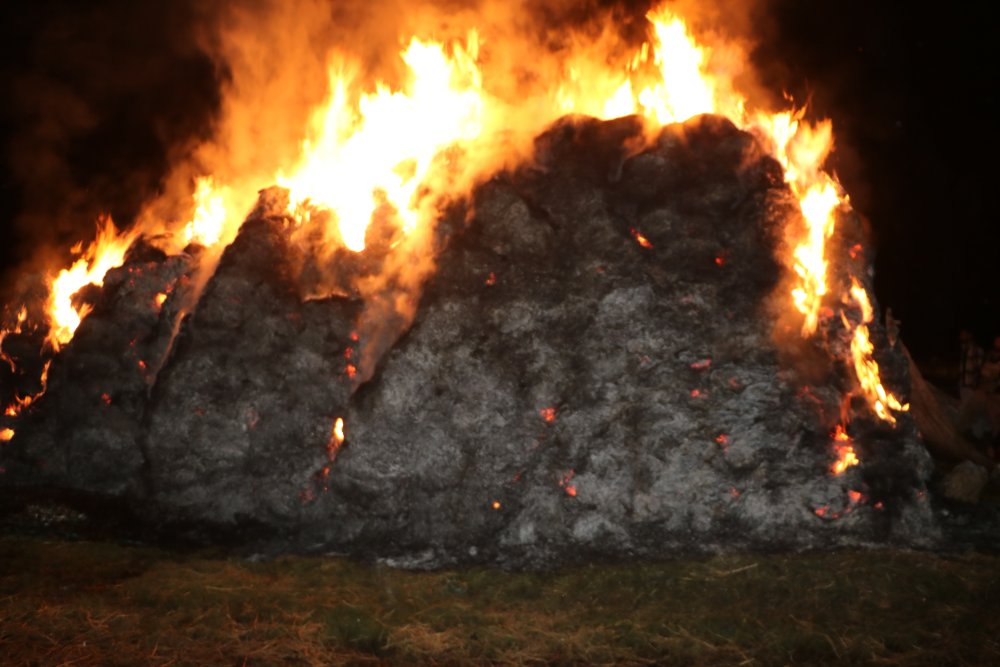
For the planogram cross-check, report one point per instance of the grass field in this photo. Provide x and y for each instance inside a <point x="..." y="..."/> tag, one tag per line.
<point x="96" y="603"/>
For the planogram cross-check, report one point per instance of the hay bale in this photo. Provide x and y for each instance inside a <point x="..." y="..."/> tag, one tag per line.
<point x="937" y="423"/>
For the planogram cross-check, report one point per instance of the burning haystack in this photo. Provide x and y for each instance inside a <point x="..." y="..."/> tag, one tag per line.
<point x="592" y="371"/>
<point x="469" y="327"/>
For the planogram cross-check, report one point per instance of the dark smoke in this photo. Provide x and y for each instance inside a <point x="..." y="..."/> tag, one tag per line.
<point x="99" y="98"/>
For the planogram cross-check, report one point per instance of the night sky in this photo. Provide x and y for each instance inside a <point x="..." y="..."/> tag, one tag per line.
<point x="98" y="96"/>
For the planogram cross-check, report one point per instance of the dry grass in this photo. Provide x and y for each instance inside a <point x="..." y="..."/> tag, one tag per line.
<point x="86" y="603"/>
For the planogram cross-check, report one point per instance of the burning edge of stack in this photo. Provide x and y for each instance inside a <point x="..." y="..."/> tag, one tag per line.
<point x="593" y="371"/>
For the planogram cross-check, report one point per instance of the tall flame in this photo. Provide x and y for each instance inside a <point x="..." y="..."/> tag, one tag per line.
<point x="209" y="219"/>
<point x="383" y="150"/>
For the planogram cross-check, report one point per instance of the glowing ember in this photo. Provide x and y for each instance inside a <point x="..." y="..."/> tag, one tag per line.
<point x="491" y="279"/>
<point x="159" y="299"/>
<point x="640" y="239"/>
<point x="105" y="253"/>
<point x="351" y="370"/>
<point x="548" y="414"/>
<point x="106" y="398"/>
<point x="496" y="504"/>
<point x="564" y="482"/>
<point x="336" y="440"/>
<point x="6" y="434"/>
<point x="854" y="496"/>
<point x="701" y="365"/>
<point x="722" y="439"/>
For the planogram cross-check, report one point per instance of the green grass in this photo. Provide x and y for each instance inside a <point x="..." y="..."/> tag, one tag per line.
<point x="89" y="603"/>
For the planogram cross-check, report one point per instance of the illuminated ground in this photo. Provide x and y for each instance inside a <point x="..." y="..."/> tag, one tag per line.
<point x="97" y="603"/>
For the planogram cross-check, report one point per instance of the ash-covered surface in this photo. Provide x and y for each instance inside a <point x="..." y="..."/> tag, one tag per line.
<point x="592" y="373"/>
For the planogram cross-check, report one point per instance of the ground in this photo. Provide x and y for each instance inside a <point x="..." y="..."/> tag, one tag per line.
<point x="102" y="603"/>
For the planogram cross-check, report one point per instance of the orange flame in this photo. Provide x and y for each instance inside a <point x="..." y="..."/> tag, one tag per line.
<point x="844" y="450"/>
<point x="105" y="253"/>
<point x="208" y="222"/>
<point x="866" y="369"/>
<point x="385" y="148"/>
<point x="336" y="440"/>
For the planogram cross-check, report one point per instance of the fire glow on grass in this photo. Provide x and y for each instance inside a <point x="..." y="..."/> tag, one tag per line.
<point x="374" y="150"/>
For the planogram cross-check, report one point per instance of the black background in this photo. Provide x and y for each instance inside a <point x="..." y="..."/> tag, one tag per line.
<point x="97" y="97"/>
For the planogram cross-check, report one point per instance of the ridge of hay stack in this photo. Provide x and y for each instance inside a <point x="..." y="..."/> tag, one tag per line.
<point x="563" y="393"/>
